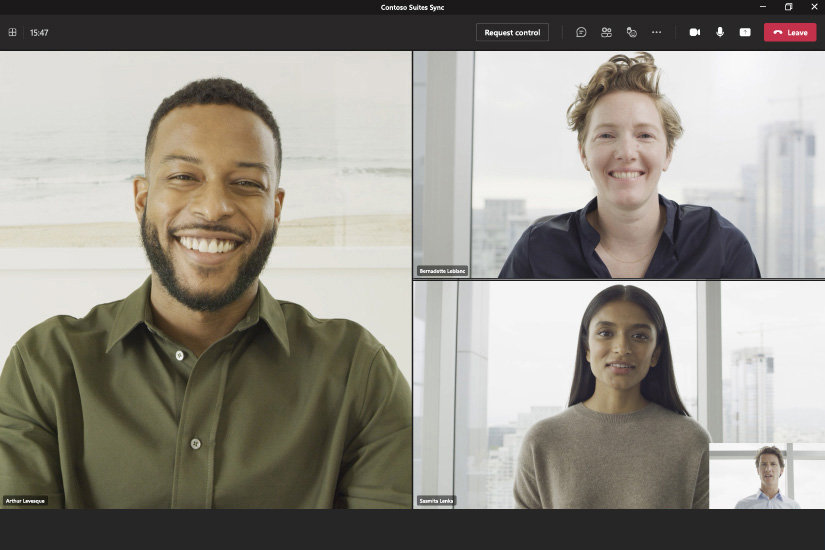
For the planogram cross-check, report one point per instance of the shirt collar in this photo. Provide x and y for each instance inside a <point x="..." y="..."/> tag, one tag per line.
<point x="591" y="236"/>
<point x="670" y="216"/>
<point x="761" y="495"/>
<point x="269" y="309"/>
<point x="131" y="313"/>
<point x="135" y="310"/>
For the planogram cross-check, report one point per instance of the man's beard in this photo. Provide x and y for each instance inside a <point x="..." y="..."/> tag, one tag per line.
<point x="161" y="263"/>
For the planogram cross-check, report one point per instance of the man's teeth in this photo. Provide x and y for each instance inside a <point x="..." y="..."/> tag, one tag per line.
<point x="626" y="175"/>
<point x="213" y="246"/>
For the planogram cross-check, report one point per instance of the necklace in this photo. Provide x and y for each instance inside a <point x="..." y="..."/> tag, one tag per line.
<point x="628" y="261"/>
<point x="603" y="247"/>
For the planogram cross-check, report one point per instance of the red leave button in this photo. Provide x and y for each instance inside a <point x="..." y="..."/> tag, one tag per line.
<point x="790" y="32"/>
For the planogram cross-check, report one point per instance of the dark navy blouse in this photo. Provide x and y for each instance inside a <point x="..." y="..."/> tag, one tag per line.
<point x="696" y="243"/>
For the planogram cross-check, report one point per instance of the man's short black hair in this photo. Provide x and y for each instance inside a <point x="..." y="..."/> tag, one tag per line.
<point x="216" y="91"/>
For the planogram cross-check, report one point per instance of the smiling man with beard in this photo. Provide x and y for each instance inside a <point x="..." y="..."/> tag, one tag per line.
<point x="200" y="390"/>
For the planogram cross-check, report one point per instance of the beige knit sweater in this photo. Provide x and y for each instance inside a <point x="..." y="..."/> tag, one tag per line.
<point x="650" y="458"/>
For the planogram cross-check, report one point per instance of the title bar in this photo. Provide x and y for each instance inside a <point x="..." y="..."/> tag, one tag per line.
<point x="449" y="32"/>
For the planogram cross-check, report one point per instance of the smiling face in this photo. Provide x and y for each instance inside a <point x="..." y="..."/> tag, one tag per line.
<point x="210" y="203"/>
<point x="769" y="471"/>
<point x="625" y="149"/>
<point x="622" y="346"/>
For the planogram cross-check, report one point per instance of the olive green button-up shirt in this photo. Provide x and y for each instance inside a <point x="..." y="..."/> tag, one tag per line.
<point x="285" y="411"/>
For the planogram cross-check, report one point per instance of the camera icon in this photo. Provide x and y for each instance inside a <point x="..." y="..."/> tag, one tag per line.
<point x="695" y="32"/>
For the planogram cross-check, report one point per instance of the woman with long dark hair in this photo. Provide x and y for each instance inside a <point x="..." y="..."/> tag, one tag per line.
<point x="625" y="440"/>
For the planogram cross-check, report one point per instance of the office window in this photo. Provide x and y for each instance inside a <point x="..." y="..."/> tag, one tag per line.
<point x="772" y="378"/>
<point x="809" y="475"/>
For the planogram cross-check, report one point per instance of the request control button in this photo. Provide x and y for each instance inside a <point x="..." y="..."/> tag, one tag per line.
<point x="512" y="31"/>
<point x="790" y="32"/>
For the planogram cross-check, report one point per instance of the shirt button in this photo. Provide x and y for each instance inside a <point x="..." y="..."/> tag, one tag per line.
<point x="179" y="355"/>
<point x="195" y="443"/>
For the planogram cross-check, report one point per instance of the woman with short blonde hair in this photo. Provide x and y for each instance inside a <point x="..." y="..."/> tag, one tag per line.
<point x="627" y="131"/>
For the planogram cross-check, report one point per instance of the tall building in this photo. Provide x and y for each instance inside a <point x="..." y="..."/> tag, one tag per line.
<point x="728" y="202"/>
<point x="502" y="460"/>
<point x="785" y="200"/>
<point x="497" y="433"/>
<point x="496" y="229"/>
<point x="749" y="406"/>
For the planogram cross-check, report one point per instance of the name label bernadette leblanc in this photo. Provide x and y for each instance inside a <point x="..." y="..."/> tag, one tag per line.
<point x="442" y="270"/>
<point x="25" y="500"/>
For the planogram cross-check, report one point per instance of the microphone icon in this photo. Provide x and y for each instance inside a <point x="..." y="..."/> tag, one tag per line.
<point x="720" y="32"/>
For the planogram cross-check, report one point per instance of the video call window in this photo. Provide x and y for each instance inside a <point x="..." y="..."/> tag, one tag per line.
<point x="749" y="148"/>
<point x="493" y="358"/>
<point x="483" y="139"/>
<point x="733" y="473"/>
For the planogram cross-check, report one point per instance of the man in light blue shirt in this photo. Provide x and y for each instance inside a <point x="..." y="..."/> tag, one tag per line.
<point x="769" y="466"/>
